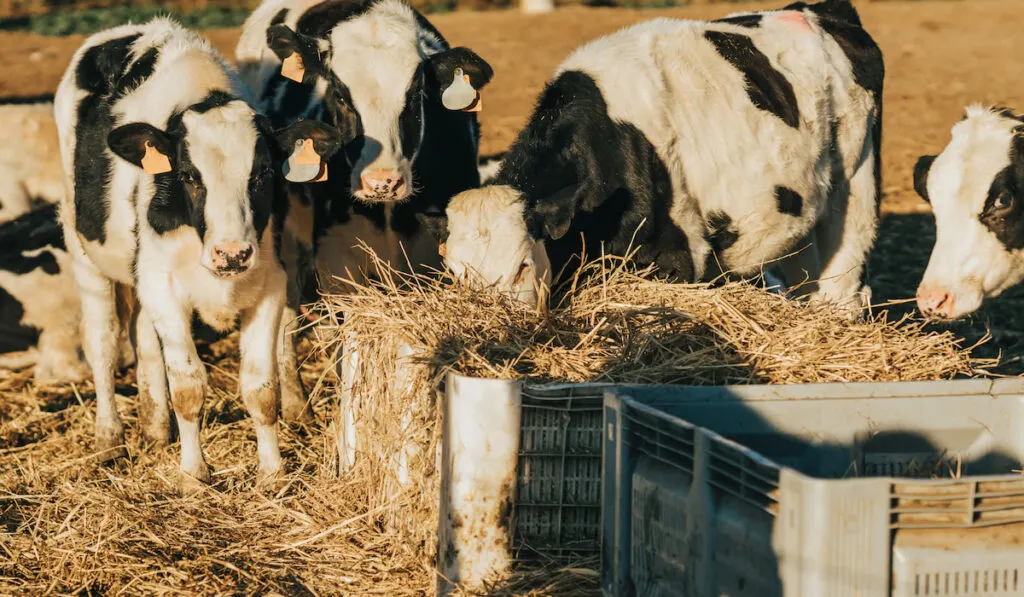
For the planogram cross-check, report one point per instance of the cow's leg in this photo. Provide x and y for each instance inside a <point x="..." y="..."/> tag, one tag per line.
<point x="261" y="386"/>
<point x="294" y="403"/>
<point x="846" y="234"/>
<point x="154" y="414"/>
<point x="186" y="376"/>
<point x="99" y="334"/>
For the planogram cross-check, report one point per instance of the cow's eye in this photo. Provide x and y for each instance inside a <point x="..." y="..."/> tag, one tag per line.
<point x="1003" y="201"/>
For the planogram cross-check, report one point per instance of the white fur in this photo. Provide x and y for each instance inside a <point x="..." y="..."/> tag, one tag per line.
<point x="30" y="169"/>
<point x="968" y="260"/>
<point x="169" y="274"/>
<point x="724" y="154"/>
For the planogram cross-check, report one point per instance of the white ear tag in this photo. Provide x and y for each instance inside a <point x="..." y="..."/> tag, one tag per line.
<point x="460" y="95"/>
<point x="304" y="165"/>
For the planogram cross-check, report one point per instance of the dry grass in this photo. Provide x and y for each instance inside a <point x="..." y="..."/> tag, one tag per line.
<point x="616" y="325"/>
<point x="71" y="525"/>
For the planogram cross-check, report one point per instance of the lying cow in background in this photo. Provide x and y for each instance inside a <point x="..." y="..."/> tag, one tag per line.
<point x="177" y="195"/>
<point x="709" y="146"/>
<point x="40" y="317"/>
<point x="30" y="170"/>
<point x="379" y="67"/>
<point x="976" y="190"/>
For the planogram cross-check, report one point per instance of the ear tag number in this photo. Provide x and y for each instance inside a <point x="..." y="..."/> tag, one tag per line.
<point x="461" y="95"/>
<point x="155" y="162"/>
<point x="293" y="68"/>
<point x="304" y="164"/>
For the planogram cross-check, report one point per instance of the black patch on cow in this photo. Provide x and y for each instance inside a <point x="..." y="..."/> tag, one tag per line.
<point x="14" y="337"/>
<point x="721" y="234"/>
<point x="21" y="100"/>
<point x="215" y="99"/>
<point x="100" y="74"/>
<point x="840" y="10"/>
<point x="35" y="231"/>
<point x="1003" y="213"/>
<point x="320" y="19"/>
<point x="750" y="21"/>
<point x="789" y="201"/>
<point x="410" y="121"/>
<point x="279" y="17"/>
<point x="581" y="171"/>
<point x="922" y="169"/>
<point x="767" y="88"/>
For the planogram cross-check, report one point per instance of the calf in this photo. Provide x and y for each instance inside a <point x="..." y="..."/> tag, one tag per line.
<point x="40" y="316"/>
<point x="176" y="195"/>
<point x="379" y="67"/>
<point x="30" y="170"/>
<point x="976" y="190"/>
<point x="708" y="146"/>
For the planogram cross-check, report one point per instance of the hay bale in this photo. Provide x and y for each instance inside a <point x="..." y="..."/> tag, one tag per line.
<point x="612" y="324"/>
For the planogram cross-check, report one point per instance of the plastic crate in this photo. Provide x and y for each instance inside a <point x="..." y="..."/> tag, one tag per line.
<point x="558" y="489"/>
<point x="815" y="490"/>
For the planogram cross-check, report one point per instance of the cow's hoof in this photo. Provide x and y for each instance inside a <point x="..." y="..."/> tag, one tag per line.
<point x="297" y="413"/>
<point x="193" y="482"/>
<point x="270" y="480"/>
<point x="110" y="445"/>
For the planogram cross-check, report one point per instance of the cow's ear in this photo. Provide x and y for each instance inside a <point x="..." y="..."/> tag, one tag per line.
<point x="921" y="170"/>
<point x="551" y="217"/>
<point x="457" y="76"/>
<point x="144" y="145"/>
<point x="300" y="56"/>
<point x="326" y="139"/>
<point x="309" y="144"/>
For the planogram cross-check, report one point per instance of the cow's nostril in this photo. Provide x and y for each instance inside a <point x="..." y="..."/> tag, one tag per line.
<point x="245" y="254"/>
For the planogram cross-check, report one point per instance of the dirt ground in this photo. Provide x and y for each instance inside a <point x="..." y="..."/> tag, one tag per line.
<point x="58" y="508"/>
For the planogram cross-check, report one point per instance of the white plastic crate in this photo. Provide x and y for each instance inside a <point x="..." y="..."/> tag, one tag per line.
<point x="822" y="490"/>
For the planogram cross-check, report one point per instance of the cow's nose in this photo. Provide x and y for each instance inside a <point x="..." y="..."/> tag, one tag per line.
<point x="232" y="257"/>
<point x="936" y="302"/>
<point x="382" y="184"/>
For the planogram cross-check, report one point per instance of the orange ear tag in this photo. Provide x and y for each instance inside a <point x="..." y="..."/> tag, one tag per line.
<point x="293" y="68"/>
<point x="441" y="250"/>
<point x="155" y="162"/>
<point x="307" y="156"/>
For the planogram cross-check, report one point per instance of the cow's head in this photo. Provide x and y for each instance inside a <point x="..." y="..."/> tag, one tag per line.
<point x="488" y="242"/>
<point x="380" y="62"/>
<point x="217" y="169"/>
<point x="976" y="190"/>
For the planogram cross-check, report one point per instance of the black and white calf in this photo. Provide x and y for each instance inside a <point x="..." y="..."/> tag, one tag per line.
<point x="976" y="190"/>
<point x="40" y="317"/>
<point x="711" y="146"/>
<point x="30" y="170"/>
<point x="176" y="195"/>
<point x="379" y="68"/>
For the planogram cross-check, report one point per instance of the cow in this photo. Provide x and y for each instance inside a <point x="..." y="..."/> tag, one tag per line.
<point x="30" y="169"/>
<point x="175" y="193"/>
<point x="976" y="191"/>
<point x="40" y="317"/>
<point x="380" y="67"/>
<point x="705" y="147"/>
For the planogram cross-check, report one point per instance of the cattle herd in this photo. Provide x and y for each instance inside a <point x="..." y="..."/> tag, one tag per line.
<point x="161" y="184"/>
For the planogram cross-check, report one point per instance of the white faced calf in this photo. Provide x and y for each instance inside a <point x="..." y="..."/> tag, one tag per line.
<point x="176" y="194"/>
<point x="706" y="146"/>
<point x="976" y="189"/>
<point x="30" y="169"/>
